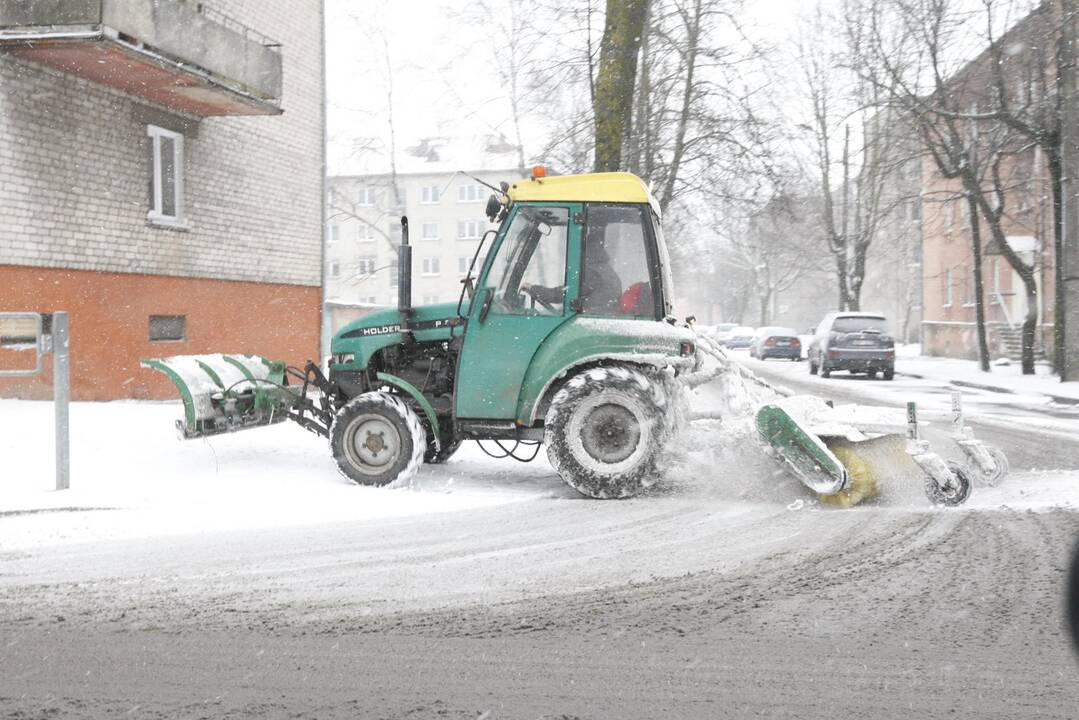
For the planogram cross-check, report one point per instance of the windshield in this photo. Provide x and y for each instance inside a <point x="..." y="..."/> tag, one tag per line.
<point x="532" y="254"/>
<point x="860" y="324"/>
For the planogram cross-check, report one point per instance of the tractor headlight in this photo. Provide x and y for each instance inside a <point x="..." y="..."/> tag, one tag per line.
<point x="343" y="358"/>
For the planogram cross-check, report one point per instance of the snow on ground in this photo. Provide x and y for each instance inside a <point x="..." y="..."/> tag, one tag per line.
<point x="1006" y="375"/>
<point x="126" y="455"/>
<point x="132" y="477"/>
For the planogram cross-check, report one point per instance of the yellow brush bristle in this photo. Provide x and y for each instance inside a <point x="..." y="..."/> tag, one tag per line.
<point x="863" y="484"/>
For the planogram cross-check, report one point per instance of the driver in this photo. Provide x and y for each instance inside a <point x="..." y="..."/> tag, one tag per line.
<point x="601" y="288"/>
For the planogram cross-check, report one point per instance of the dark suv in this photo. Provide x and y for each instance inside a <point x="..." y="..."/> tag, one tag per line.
<point x="853" y="341"/>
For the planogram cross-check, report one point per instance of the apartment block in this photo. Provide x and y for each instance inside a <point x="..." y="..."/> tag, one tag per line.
<point x="161" y="180"/>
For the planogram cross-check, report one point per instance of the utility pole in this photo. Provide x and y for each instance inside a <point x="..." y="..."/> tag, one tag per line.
<point x="1069" y="260"/>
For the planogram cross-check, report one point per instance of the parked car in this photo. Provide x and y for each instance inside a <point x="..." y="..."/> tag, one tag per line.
<point x="740" y="337"/>
<point x="854" y="341"/>
<point x="777" y="342"/>
<point x="723" y="332"/>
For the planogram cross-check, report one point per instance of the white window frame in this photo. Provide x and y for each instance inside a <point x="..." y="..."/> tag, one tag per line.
<point x="462" y="265"/>
<point x="437" y="232"/>
<point x="430" y="195"/>
<point x="997" y="298"/>
<point x="334" y="271"/>
<point x="366" y="265"/>
<point x="431" y="267"/>
<point x="365" y="233"/>
<point x="366" y="196"/>
<point x="948" y="288"/>
<point x="333" y="232"/>
<point x="430" y="299"/>
<point x="155" y="215"/>
<point x="465" y="225"/>
<point x="470" y="193"/>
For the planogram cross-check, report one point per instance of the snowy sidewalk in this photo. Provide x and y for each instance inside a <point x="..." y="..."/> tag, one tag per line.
<point x="127" y="464"/>
<point x="1004" y="378"/>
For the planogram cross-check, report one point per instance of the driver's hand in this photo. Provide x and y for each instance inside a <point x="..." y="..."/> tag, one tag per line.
<point x="526" y="288"/>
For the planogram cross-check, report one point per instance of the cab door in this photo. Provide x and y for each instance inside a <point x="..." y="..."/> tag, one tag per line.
<point x="527" y="291"/>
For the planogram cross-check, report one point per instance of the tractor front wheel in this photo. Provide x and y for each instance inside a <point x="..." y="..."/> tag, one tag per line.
<point x="605" y="429"/>
<point x="377" y="439"/>
<point x="447" y="446"/>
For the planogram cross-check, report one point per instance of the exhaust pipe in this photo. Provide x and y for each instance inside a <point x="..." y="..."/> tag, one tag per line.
<point x="404" y="275"/>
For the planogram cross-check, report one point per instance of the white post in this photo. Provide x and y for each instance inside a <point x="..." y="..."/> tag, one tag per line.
<point x="61" y="395"/>
<point x="957" y="413"/>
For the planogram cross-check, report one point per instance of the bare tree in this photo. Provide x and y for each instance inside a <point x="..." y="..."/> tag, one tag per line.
<point x="857" y="146"/>
<point x="774" y="251"/>
<point x="1026" y="96"/>
<point x="967" y="145"/>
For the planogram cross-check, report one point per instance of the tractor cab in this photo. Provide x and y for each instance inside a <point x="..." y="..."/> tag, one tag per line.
<point x="578" y="265"/>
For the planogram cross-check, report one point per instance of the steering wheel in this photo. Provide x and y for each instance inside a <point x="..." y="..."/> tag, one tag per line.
<point x="543" y="303"/>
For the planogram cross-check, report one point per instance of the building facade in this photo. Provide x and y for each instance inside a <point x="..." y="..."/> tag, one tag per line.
<point x="161" y="180"/>
<point x="1025" y="203"/>
<point x="446" y="213"/>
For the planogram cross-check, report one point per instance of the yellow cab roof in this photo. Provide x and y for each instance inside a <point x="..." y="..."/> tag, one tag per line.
<point x="615" y="187"/>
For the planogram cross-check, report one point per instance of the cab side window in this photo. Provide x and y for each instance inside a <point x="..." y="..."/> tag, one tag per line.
<point x="615" y="278"/>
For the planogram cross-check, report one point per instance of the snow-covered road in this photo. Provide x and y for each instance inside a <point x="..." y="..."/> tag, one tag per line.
<point x="241" y="577"/>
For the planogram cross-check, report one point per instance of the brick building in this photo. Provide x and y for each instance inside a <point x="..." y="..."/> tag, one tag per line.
<point x="948" y="325"/>
<point x="161" y="179"/>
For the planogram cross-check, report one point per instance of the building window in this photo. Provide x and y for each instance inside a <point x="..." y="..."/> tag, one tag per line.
<point x="949" y="214"/>
<point x="430" y="299"/>
<point x="913" y="211"/>
<point x="947" y="279"/>
<point x="393" y="232"/>
<point x="468" y="230"/>
<point x="971" y="295"/>
<point x="366" y="233"/>
<point x="462" y="265"/>
<point x="365" y="265"/>
<point x="370" y="300"/>
<point x="470" y="193"/>
<point x="335" y="269"/>
<point x="393" y="272"/>
<point x="168" y="328"/>
<point x="429" y="195"/>
<point x="366" y="197"/>
<point x="914" y="169"/>
<point x="167" y="182"/>
<point x="430" y="231"/>
<point x="997" y="299"/>
<point x="430" y="266"/>
<point x="332" y="233"/>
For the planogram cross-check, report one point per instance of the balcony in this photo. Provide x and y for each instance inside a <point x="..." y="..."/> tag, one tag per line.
<point x="176" y="53"/>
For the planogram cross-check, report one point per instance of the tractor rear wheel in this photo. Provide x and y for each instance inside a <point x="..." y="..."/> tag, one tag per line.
<point x="377" y="439"/>
<point x="605" y="429"/>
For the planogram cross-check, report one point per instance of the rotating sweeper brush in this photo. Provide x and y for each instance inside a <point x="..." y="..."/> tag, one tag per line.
<point x="847" y="454"/>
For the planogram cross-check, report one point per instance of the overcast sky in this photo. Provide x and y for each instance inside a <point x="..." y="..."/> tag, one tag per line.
<point x="442" y="82"/>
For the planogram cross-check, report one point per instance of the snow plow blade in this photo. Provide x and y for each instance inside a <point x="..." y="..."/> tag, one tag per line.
<point x="225" y="393"/>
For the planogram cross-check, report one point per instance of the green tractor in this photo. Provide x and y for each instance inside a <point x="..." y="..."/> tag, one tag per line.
<point x="562" y="336"/>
